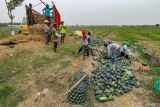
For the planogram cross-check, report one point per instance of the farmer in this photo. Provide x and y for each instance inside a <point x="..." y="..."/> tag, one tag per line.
<point x="30" y="16"/>
<point x="47" y="31"/>
<point x="113" y="48"/>
<point x="85" y="48"/>
<point x="47" y="11"/>
<point x="89" y="35"/>
<point x="55" y="38"/>
<point x="62" y="31"/>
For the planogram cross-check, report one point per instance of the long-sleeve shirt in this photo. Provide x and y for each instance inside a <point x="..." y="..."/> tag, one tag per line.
<point x="112" y="47"/>
<point x="46" y="28"/>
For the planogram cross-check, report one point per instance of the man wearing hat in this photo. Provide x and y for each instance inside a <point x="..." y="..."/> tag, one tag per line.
<point x="47" y="31"/>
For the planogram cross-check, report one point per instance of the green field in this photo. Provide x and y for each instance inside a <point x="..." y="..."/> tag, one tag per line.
<point x="5" y="32"/>
<point x="33" y="64"/>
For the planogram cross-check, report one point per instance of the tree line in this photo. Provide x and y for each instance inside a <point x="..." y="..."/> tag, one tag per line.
<point x="6" y="24"/>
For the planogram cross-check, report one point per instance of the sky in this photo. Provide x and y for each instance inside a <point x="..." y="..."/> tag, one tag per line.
<point x="95" y="12"/>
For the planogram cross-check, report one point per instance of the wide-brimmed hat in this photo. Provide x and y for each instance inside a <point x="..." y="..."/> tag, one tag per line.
<point x="46" y="21"/>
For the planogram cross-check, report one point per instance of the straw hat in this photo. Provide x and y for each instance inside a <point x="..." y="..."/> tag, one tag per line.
<point x="46" y="21"/>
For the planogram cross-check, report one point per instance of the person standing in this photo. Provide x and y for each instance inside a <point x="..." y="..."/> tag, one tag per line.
<point x="47" y="11"/>
<point x="30" y="17"/>
<point x="113" y="48"/>
<point x="81" y="48"/>
<point x="85" y="39"/>
<point x="47" y="31"/>
<point x="55" y="38"/>
<point x="62" y="31"/>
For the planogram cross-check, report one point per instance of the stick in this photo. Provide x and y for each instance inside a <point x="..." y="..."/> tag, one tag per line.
<point x="37" y="4"/>
<point x="42" y="2"/>
<point x="75" y="85"/>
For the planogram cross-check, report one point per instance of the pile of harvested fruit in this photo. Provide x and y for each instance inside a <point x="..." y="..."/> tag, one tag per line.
<point x="157" y="84"/>
<point x="112" y="80"/>
<point x="98" y="41"/>
<point x="79" y="94"/>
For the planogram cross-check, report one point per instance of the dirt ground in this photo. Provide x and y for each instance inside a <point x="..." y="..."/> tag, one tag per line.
<point x="51" y="96"/>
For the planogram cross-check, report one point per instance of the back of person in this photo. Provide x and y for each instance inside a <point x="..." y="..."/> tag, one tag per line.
<point x="85" y="40"/>
<point x="113" y="46"/>
<point x="47" y="11"/>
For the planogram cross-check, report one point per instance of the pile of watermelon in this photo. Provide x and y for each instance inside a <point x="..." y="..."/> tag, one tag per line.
<point x="98" y="41"/>
<point x="79" y="94"/>
<point x="157" y="84"/>
<point x="112" y="80"/>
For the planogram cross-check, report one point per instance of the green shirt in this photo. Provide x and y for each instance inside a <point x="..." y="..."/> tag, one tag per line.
<point x="62" y="29"/>
<point x="46" y="11"/>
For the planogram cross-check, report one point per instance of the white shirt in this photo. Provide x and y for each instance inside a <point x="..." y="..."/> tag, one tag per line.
<point x="46" y="28"/>
<point x="112" y="47"/>
<point x="85" y="41"/>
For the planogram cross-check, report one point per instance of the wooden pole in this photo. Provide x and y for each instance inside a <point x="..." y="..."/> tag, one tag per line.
<point x="75" y="85"/>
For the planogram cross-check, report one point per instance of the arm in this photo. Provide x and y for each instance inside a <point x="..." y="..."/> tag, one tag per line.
<point x="43" y="10"/>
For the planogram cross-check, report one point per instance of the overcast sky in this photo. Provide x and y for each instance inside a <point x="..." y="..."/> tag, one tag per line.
<point x="93" y="12"/>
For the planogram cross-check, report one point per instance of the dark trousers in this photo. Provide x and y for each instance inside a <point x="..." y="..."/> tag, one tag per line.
<point x="88" y="51"/>
<point x="62" y="37"/>
<point x="85" y="50"/>
<point x="80" y="49"/>
<point x="48" y="18"/>
<point x="47" y="37"/>
<point x="55" y="46"/>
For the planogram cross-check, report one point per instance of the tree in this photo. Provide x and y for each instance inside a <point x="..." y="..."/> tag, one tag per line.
<point x="11" y="5"/>
<point x="157" y="25"/>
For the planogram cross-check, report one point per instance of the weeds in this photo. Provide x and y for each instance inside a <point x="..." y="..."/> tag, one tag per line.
<point x="64" y="64"/>
<point x="43" y="61"/>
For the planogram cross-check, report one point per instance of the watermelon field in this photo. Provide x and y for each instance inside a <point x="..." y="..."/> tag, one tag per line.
<point x="32" y="75"/>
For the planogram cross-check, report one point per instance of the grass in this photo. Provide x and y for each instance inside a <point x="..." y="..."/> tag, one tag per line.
<point x="40" y="66"/>
<point x="64" y="64"/>
<point x="10" y="94"/>
<point x="12" y="64"/>
<point x="5" y="32"/>
<point x="43" y="61"/>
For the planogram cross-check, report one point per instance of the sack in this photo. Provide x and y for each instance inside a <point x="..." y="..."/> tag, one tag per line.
<point x="58" y="35"/>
